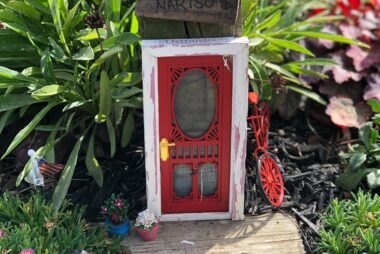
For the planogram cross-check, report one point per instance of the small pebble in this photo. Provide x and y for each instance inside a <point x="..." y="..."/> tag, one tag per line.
<point x="281" y="132"/>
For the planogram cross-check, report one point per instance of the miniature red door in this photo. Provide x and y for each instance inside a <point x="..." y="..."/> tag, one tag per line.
<point x="195" y="129"/>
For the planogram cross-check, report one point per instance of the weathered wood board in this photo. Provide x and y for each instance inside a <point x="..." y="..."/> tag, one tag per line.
<point x="207" y="11"/>
<point x="274" y="233"/>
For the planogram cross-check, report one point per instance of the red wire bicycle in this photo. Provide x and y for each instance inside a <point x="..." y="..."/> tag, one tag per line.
<point x="268" y="175"/>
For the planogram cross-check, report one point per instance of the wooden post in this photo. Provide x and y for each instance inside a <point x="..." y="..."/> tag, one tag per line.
<point x="169" y="19"/>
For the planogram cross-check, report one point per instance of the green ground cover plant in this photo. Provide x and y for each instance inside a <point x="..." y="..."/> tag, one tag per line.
<point x="33" y="225"/>
<point x="352" y="226"/>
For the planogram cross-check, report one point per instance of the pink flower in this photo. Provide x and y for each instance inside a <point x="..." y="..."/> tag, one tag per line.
<point x="119" y="203"/>
<point x="2" y="233"/>
<point x="28" y="251"/>
<point x="104" y="210"/>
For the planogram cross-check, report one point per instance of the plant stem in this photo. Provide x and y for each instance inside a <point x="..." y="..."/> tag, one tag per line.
<point x="100" y="40"/>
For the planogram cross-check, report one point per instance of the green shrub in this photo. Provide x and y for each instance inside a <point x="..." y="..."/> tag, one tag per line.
<point x="352" y="226"/>
<point x="31" y="224"/>
<point x="81" y="78"/>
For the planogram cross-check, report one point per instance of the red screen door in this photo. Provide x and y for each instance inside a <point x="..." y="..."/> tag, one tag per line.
<point x="195" y="119"/>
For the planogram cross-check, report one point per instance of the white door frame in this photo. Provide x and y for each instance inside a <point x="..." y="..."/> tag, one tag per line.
<point x="232" y="47"/>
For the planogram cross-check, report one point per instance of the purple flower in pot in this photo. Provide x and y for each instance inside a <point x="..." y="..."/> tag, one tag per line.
<point x="115" y="212"/>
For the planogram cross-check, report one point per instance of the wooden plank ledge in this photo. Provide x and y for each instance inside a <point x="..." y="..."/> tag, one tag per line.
<point x="274" y="233"/>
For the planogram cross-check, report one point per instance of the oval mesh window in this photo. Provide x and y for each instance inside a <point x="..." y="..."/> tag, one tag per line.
<point x="207" y="179"/>
<point x="182" y="180"/>
<point x="194" y="103"/>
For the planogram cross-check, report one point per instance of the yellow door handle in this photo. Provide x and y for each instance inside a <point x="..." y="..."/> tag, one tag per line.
<point x="164" y="149"/>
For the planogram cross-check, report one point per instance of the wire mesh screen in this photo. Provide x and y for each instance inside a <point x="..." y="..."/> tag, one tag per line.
<point x="194" y="103"/>
<point x="182" y="180"/>
<point x="207" y="179"/>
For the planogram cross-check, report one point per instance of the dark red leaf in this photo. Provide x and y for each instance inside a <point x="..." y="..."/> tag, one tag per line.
<point x="345" y="9"/>
<point x="354" y="4"/>
<point x="344" y="113"/>
<point x="372" y="91"/>
<point x="350" y="31"/>
<point x="362" y="59"/>
<point x="342" y="75"/>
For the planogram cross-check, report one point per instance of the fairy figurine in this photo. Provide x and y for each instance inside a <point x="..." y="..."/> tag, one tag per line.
<point x="40" y="169"/>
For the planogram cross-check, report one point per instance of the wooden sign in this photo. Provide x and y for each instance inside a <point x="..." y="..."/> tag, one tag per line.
<point x="207" y="11"/>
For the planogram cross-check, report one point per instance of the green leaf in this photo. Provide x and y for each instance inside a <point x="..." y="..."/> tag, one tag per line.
<point x="128" y="13"/>
<point x="126" y="79"/>
<point x="49" y="128"/>
<point x="124" y="39"/>
<point x="4" y="119"/>
<point x="76" y="104"/>
<point x="123" y="93"/>
<point x="90" y="35"/>
<point x="368" y="135"/>
<point x="113" y="10"/>
<point x="47" y="68"/>
<point x="350" y="179"/>
<point x="29" y="128"/>
<point x="284" y="72"/>
<point x="105" y="56"/>
<point x="56" y="14"/>
<point x="297" y="70"/>
<point x="375" y="105"/>
<point x="57" y="51"/>
<point x="315" y="20"/>
<point x="24" y="9"/>
<point x="84" y="54"/>
<point x="357" y="160"/>
<point x="69" y="22"/>
<point x="64" y="182"/>
<point x="134" y="102"/>
<point x="14" y="75"/>
<point x="269" y="22"/>
<point x="373" y="179"/>
<point x="13" y="101"/>
<point x="47" y="91"/>
<point x="331" y="37"/>
<point x="112" y="136"/>
<point x="376" y="119"/>
<point x="92" y="163"/>
<point x="39" y="5"/>
<point x="312" y="95"/>
<point x="262" y="77"/>
<point x="285" y="44"/>
<point x="105" y="100"/>
<point x="128" y="128"/>
<point x="313" y="61"/>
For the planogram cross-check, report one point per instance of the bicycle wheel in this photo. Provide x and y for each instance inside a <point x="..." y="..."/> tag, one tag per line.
<point x="269" y="181"/>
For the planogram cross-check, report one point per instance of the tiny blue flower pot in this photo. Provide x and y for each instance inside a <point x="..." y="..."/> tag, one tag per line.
<point x="117" y="230"/>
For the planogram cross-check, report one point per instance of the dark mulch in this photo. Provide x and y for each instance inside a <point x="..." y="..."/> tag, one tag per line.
<point x="308" y="152"/>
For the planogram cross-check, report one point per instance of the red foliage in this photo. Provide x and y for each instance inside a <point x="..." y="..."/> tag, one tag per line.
<point x="357" y="77"/>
